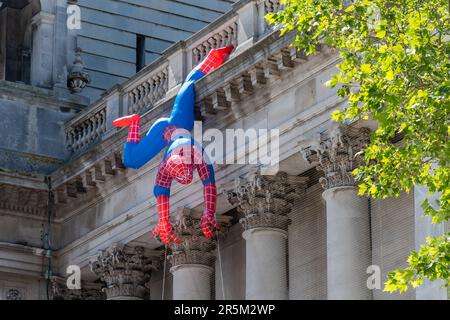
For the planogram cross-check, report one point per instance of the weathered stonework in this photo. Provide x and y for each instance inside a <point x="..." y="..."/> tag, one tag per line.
<point x="14" y="294"/>
<point x="194" y="248"/>
<point x="78" y="78"/>
<point x="87" y="291"/>
<point x="125" y="271"/>
<point x="266" y="200"/>
<point x="24" y="200"/>
<point x="336" y="154"/>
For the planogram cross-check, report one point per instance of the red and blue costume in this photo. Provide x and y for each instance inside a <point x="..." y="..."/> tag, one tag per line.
<point x="183" y="154"/>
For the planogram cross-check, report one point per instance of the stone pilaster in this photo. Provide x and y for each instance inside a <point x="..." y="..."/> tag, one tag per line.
<point x="125" y="270"/>
<point x="193" y="259"/>
<point x="88" y="291"/>
<point x="43" y="44"/>
<point x="265" y="202"/>
<point x="348" y="220"/>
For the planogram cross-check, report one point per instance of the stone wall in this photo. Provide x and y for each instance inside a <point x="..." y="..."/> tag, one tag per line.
<point x="109" y="30"/>
<point x="31" y="127"/>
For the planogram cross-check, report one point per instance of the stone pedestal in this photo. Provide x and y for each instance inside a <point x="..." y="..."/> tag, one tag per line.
<point x="348" y="220"/>
<point x="125" y="271"/>
<point x="265" y="202"/>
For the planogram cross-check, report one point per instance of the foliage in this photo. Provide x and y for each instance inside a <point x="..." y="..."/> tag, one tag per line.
<point x="394" y="69"/>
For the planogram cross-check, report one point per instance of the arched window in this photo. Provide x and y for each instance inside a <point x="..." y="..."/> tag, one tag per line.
<point x="16" y="39"/>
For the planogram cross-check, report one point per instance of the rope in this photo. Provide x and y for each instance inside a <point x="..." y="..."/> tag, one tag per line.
<point x="220" y="265"/>
<point x="47" y="245"/>
<point x="164" y="272"/>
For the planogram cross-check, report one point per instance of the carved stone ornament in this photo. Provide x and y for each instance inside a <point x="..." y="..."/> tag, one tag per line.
<point x="336" y="153"/>
<point x="60" y="291"/>
<point x="78" y="78"/>
<point x="266" y="200"/>
<point x="125" y="270"/>
<point x="14" y="294"/>
<point x="194" y="248"/>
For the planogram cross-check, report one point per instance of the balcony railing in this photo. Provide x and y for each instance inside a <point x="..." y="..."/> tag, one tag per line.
<point x="153" y="85"/>
<point x="150" y="90"/>
<point x="83" y="131"/>
<point x="221" y="38"/>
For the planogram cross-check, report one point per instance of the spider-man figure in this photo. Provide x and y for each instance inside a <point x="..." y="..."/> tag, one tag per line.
<point x="183" y="154"/>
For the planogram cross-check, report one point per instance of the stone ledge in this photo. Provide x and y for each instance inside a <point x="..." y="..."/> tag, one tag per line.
<point x="48" y="98"/>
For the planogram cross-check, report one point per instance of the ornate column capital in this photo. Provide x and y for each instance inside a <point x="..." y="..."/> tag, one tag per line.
<point x="194" y="248"/>
<point x="266" y="200"/>
<point x="125" y="270"/>
<point x="336" y="153"/>
<point x="88" y="291"/>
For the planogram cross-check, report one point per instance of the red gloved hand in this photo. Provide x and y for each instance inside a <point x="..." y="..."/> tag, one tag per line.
<point x="215" y="58"/>
<point x="164" y="227"/>
<point x="208" y="222"/>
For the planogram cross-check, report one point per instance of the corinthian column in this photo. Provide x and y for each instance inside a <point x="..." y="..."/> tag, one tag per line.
<point x="88" y="291"/>
<point x="193" y="259"/>
<point x="125" y="270"/>
<point x="348" y="221"/>
<point x="265" y="202"/>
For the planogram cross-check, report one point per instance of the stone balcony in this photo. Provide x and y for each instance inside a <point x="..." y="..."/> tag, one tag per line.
<point x="159" y="82"/>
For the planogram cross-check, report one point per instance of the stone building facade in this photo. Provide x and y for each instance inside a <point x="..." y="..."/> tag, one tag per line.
<point x="66" y="199"/>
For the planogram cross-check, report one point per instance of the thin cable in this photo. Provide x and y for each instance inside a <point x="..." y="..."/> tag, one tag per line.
<point x="47" y="244"/>
<point x="220" y="265"/>
<point x="164" y="272"/>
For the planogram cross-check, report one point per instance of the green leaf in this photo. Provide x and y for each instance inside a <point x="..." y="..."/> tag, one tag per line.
<point x="381" y="34"/>
<point x="390" y="75"/>
<point x="366" y="68"/>
<point x="397" y="74"/>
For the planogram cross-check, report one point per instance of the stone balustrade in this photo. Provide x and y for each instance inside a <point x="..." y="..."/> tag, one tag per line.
<point x="87" y="129"/>
<point x="153" y="85"/>
<point x="224" y="96"/>
<point x="224" y="37"/>
<point x="148" y="91"/>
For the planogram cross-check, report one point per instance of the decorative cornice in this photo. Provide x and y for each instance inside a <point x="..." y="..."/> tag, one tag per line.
<point x="336" y="153"/>
<point x="194" y="248"/>
<point x="23" y="200"/>
<point x="90" y="291"/>
<point x="266" y="200"/>
<point x="125" y="270"/>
